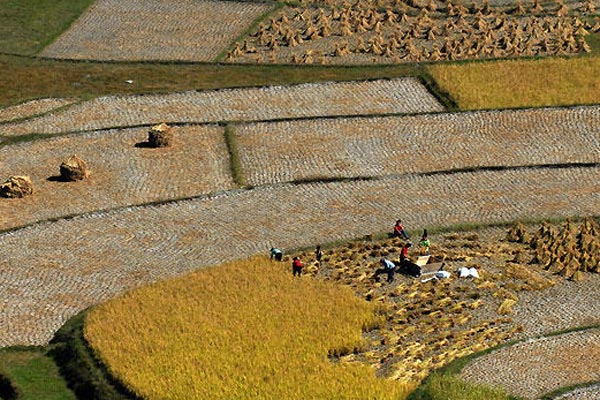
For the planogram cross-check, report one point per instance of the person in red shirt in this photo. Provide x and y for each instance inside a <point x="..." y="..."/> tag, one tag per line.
<point x="399" y="230"/>
<point x="404" y="253"/>
<point x="297" y="266"/>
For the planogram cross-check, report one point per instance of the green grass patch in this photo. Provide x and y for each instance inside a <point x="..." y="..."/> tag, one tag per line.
<point x="27" y="78"/>
<point x="451" y="387"/>
<point x="34" y="374"/>
<point x="237" y="171"/>
<point x="27" y="26"/>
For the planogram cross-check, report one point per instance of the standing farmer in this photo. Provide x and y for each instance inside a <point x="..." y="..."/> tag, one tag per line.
<point x="297" y="266"/>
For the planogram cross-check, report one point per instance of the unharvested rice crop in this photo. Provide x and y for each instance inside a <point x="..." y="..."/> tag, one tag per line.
<point x="542" y="365"/>
<point x="521" y="83"/>
<point x="246" y="330"/>
<point x="378" y="146"/>
<point x="121" y="173"/>
<point x="191" y="30"/>
<point x="404" y="95"/>
<point x="74" y="263"/>
<point x="32" y="108"/>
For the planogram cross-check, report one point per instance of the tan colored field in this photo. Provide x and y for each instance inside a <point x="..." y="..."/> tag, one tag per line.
<point x="188" y="30"/>
<point x="78" y="262"/>
<point x="521" y="83"/>
<point x="379" y="146"/>
<point x="121" y="174"/>
<point x="404" y="95"/>
<point x="31" y="108"/>
<point x="542" y="365"/>
<point x="246" y="330"/>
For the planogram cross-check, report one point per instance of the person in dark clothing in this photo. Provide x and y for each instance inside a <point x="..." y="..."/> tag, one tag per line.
<point x="276" y="254"/>
<point x="318" y="254"/>
<point x="297" y="266"/>
<point x="407" y="266"/>
<point x="388" y="268"/>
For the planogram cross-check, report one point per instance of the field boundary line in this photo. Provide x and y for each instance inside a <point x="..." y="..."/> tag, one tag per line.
<point x="42" y="114"/>
<point x="12" y="139"/>
<point x="454" y="368"/>
<point x="560" y="392"/>
<point x="66" y="28"/>
<point x="235" y="164"/>
<point x="249" y="188"/>
<point x="275" y="6"/>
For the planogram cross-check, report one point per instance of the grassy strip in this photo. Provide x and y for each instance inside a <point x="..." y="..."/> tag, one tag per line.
<point x="33" y="116"/>
<point x="449" y="374"/>
<point x="85" y="374"/>
<point x="27" y="78"/>
<point x="276" y="7"/>
<point x="27" y="26"/>
<point x="235" y="164"/>
<point x="33" y="374"/>
<point x="564" y="390"/>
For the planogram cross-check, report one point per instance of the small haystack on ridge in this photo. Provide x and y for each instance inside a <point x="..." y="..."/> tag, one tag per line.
<point x="160" y="135"/>
<point x="16" y="187"/>
<point x="73" y="169"/>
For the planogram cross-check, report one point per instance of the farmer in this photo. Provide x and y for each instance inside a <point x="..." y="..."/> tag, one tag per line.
<point x="297" y="266"/>
<point x="276" y="254"/>
<point x="404" y="253"/>
<point x="399" y="230"/>
<point x="388" y="268"/>
<point x="424" y="244"/>
<point x="407" y="266"/>
<point x="318" y="254"/>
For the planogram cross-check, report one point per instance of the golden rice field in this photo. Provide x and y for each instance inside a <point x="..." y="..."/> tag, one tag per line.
<point x="245" y="330"/>
<point x="520" y="83"/>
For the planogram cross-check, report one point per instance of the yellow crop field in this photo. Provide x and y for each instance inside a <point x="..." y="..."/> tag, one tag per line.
<point x="521" y="83"/>
<point x="245" y="330"/>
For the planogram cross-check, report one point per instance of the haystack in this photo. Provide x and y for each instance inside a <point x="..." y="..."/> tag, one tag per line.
<point x="160" y="135"/>
<point x="518" y="234"/>
<point x="16" y="187"/>
<point x="74" y="169"/>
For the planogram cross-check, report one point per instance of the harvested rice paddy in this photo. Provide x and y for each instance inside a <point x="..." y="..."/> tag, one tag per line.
<point x="123" y="171"/>
<point x="404" y="95"/>
<point x="378" y="146"/>
<point x="183" y="30"/>
<point x="74" y="263"/>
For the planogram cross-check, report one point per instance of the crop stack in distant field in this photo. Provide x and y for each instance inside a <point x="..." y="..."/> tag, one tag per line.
<point x="570" y="250"/>
<point x="367" y="31"/>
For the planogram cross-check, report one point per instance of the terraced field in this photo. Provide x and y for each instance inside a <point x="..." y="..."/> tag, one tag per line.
<point x="401" y="96"/>
<point x="121" y="173"/>
<point x="32" y="108"/>
<point x="74" y="263"/>
<point x="187" y="30"/>
<point x="350" y="147"/>
<point x="541" y="365"/>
